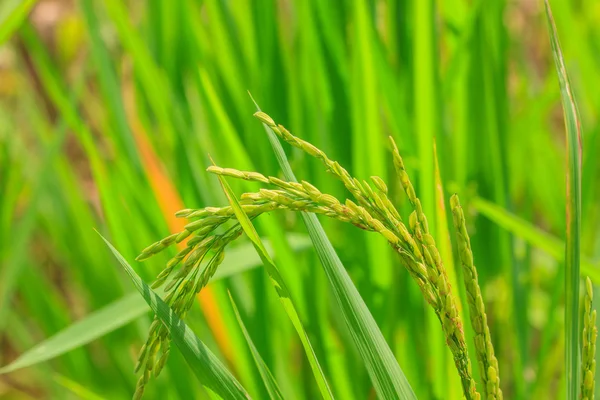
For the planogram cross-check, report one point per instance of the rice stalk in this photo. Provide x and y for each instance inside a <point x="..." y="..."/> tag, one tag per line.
<point x="486" y="358"/>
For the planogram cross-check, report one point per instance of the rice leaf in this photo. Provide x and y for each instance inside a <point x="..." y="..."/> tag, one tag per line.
<point x="263" y="369"/>
<point x="22" y="232"/>
<point x="573" y="213"/>
<point x="205" y="365"/>
<point x="532" y="234"/>
<point x="12" y="15"/>
<point x="368" y="151"/>
<point x="130" y="307"/>
<point x="384" y="371"/>
<point x="280" y="287"/>
<point x="95" y="325"/>
<point x="80" y="391"/>
<point x="109" y="84"/>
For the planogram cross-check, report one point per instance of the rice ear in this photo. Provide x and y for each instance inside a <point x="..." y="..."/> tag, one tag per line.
<point x="488" y="364"/>
<point x="373" y="211"/>
<point x="588" y="352"/>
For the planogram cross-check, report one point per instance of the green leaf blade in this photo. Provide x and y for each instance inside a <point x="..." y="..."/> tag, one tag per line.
<point x="266" y="375"/>
<point x="11" y="19"/>
<point x="573" y="213"/>
<point x="533" y="235"/>
<point x="95" y="325"/>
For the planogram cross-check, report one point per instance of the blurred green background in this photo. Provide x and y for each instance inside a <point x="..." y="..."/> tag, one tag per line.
<point x="109" y="110"/>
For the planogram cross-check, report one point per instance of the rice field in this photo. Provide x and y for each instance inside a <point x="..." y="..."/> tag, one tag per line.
<point x="260" y="199"/>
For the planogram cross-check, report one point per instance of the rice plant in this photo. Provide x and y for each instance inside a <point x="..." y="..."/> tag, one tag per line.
<point x="117" y="115"/>
<point x="374" y="212"/>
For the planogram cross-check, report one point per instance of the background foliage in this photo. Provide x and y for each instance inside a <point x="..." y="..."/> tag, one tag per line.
<point x="108" y="111"/>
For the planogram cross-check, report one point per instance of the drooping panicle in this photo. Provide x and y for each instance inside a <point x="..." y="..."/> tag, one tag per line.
<point x="372" y="210"/>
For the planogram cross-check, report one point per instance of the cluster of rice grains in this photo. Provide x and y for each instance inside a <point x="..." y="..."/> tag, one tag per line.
<point x="588" y="353"/>
<point x="488" y="364"/>
<point x="198" y="262"/>
<point x="370" y="210"/>
<point x="414" y="243"/>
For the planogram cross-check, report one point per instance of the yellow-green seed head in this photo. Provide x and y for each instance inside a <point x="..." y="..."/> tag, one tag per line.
<point x="264" y="118"/>
<point x="379" y="184"/>
<point x="183" y="235"/>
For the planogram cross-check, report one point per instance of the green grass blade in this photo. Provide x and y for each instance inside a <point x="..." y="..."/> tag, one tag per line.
<point x="425" y="95"/>
<point x="11" y="17"/>
<point x="130" y="307"/>
<point x="81" y="392"/>
<point x="205" y="365"/>
<point x="383" y="369"/>
<point x="97" y="324"/>
<point x="263" y="369"/>
<point x="520" y="227"/>
<point x="109" y="84"/>
<point x="150" y="76"/>
<point x="533" y="235"/>
<point x="21" y="234"/>
<point x="369" y="151"/>
<point x="573" y="215"/>
<point x="280" y="287"/>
